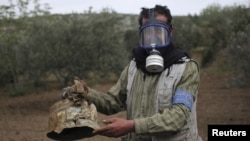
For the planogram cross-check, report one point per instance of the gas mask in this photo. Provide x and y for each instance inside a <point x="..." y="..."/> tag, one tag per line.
<point x="154" y="34"/>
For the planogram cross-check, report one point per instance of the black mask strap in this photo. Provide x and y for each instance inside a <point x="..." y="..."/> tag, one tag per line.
<point x="151" y="14"/>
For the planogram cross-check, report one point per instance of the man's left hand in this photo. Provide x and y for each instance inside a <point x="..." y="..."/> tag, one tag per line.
<point x="116" y="127"/>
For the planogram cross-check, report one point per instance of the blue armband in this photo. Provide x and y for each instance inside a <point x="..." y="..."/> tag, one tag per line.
<point x="183" y="97"/>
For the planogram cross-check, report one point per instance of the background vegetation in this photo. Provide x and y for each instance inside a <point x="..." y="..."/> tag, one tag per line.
<point x="37" y="48"/>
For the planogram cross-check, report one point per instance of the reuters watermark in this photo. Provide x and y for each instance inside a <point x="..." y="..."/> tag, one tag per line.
<point x="235" y="132"/>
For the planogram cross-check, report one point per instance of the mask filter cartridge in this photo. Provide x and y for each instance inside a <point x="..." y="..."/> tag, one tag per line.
<point x="154" y="62"/>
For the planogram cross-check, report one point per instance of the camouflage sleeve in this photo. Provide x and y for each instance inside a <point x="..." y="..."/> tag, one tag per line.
<point x="172" y="119"/>
<point x="190" y="80"/>
<point x="114" y="100"/>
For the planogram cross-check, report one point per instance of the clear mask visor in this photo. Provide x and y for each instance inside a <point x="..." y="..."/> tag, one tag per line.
<point x="154" y="35"/>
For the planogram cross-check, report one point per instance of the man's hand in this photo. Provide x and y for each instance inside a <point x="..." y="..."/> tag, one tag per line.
<point x="116" y="127"/>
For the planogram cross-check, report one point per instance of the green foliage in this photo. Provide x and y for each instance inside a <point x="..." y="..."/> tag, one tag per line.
<point x="75" y="47"/>
<point x="13" y="29"/>
<point x="131" y="40"/>
<point x="185" y="32"/>
<point x="218" y="28"/>
<point x="238" y="52"/>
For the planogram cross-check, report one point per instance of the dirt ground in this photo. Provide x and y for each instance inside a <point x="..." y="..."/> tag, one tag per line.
<point x="25" y="118"/>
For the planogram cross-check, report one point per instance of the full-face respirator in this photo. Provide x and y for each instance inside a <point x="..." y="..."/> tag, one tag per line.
<point x="154" y="34"/>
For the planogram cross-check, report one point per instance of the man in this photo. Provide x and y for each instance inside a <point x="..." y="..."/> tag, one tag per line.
<point x="158" y="88"/>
